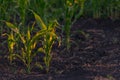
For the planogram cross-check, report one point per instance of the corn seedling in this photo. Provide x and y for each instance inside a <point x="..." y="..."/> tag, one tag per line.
<point x="73" y="10"/>
<point x="49" y="38"/>
<point x="29" y="43"/>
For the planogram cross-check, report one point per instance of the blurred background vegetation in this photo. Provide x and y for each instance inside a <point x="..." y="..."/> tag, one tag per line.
<point x="17" y="11"/>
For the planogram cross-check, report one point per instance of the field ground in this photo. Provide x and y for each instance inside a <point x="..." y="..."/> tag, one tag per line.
<point x="94" y="55"/>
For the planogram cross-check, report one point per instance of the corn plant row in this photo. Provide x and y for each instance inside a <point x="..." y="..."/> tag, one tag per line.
<point x="22" y="39"/>
<point x="102" y="8"/>
<point x="26" y="53"/>
<point x="47" y="8"/>
<point x="54" y="9"/>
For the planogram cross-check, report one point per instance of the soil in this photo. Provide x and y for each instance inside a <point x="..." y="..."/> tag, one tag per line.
<point x="94" y="55"/>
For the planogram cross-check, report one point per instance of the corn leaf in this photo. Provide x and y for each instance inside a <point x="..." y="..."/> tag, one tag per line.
<point x="41" y="50"/>
<point x="28" y="34"/>
<point x="38" y="65"/>
<point x="22" y="38"/>
<point x="33" y="45"/>
<point x="21" y="58"/>
<point x="11" y="41"/>
<point x="39" y="34"/>
<point x="39" y="21"/>
<point x="13" y="27"/>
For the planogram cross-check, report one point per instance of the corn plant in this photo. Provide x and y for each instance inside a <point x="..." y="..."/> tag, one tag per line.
<point x="29" y="43"/>
<point x="73" y="10"/>
<point x="49" y="39"/>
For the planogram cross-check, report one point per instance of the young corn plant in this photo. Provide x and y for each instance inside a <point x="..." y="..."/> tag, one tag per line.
<point x="29" y="43"/>
<point x="73" y="11"/>
<point x="48" y="39"/>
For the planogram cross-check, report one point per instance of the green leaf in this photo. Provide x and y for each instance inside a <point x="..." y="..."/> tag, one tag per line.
<point x="22" y="38"/>
<point x="13" y="27"/>
<point x="38" y="65"/>
<point x="33" y="45"/>
<point x="39" y="21"/>
<point x="31" y="29"/>
<point x="59" y="41"/>
<point x="11" y="41"/>
<point x="21" y="58"/>
<point x="41" y="50"/>
<point x="39" y="34"/>
<point x="28" y="34"/>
